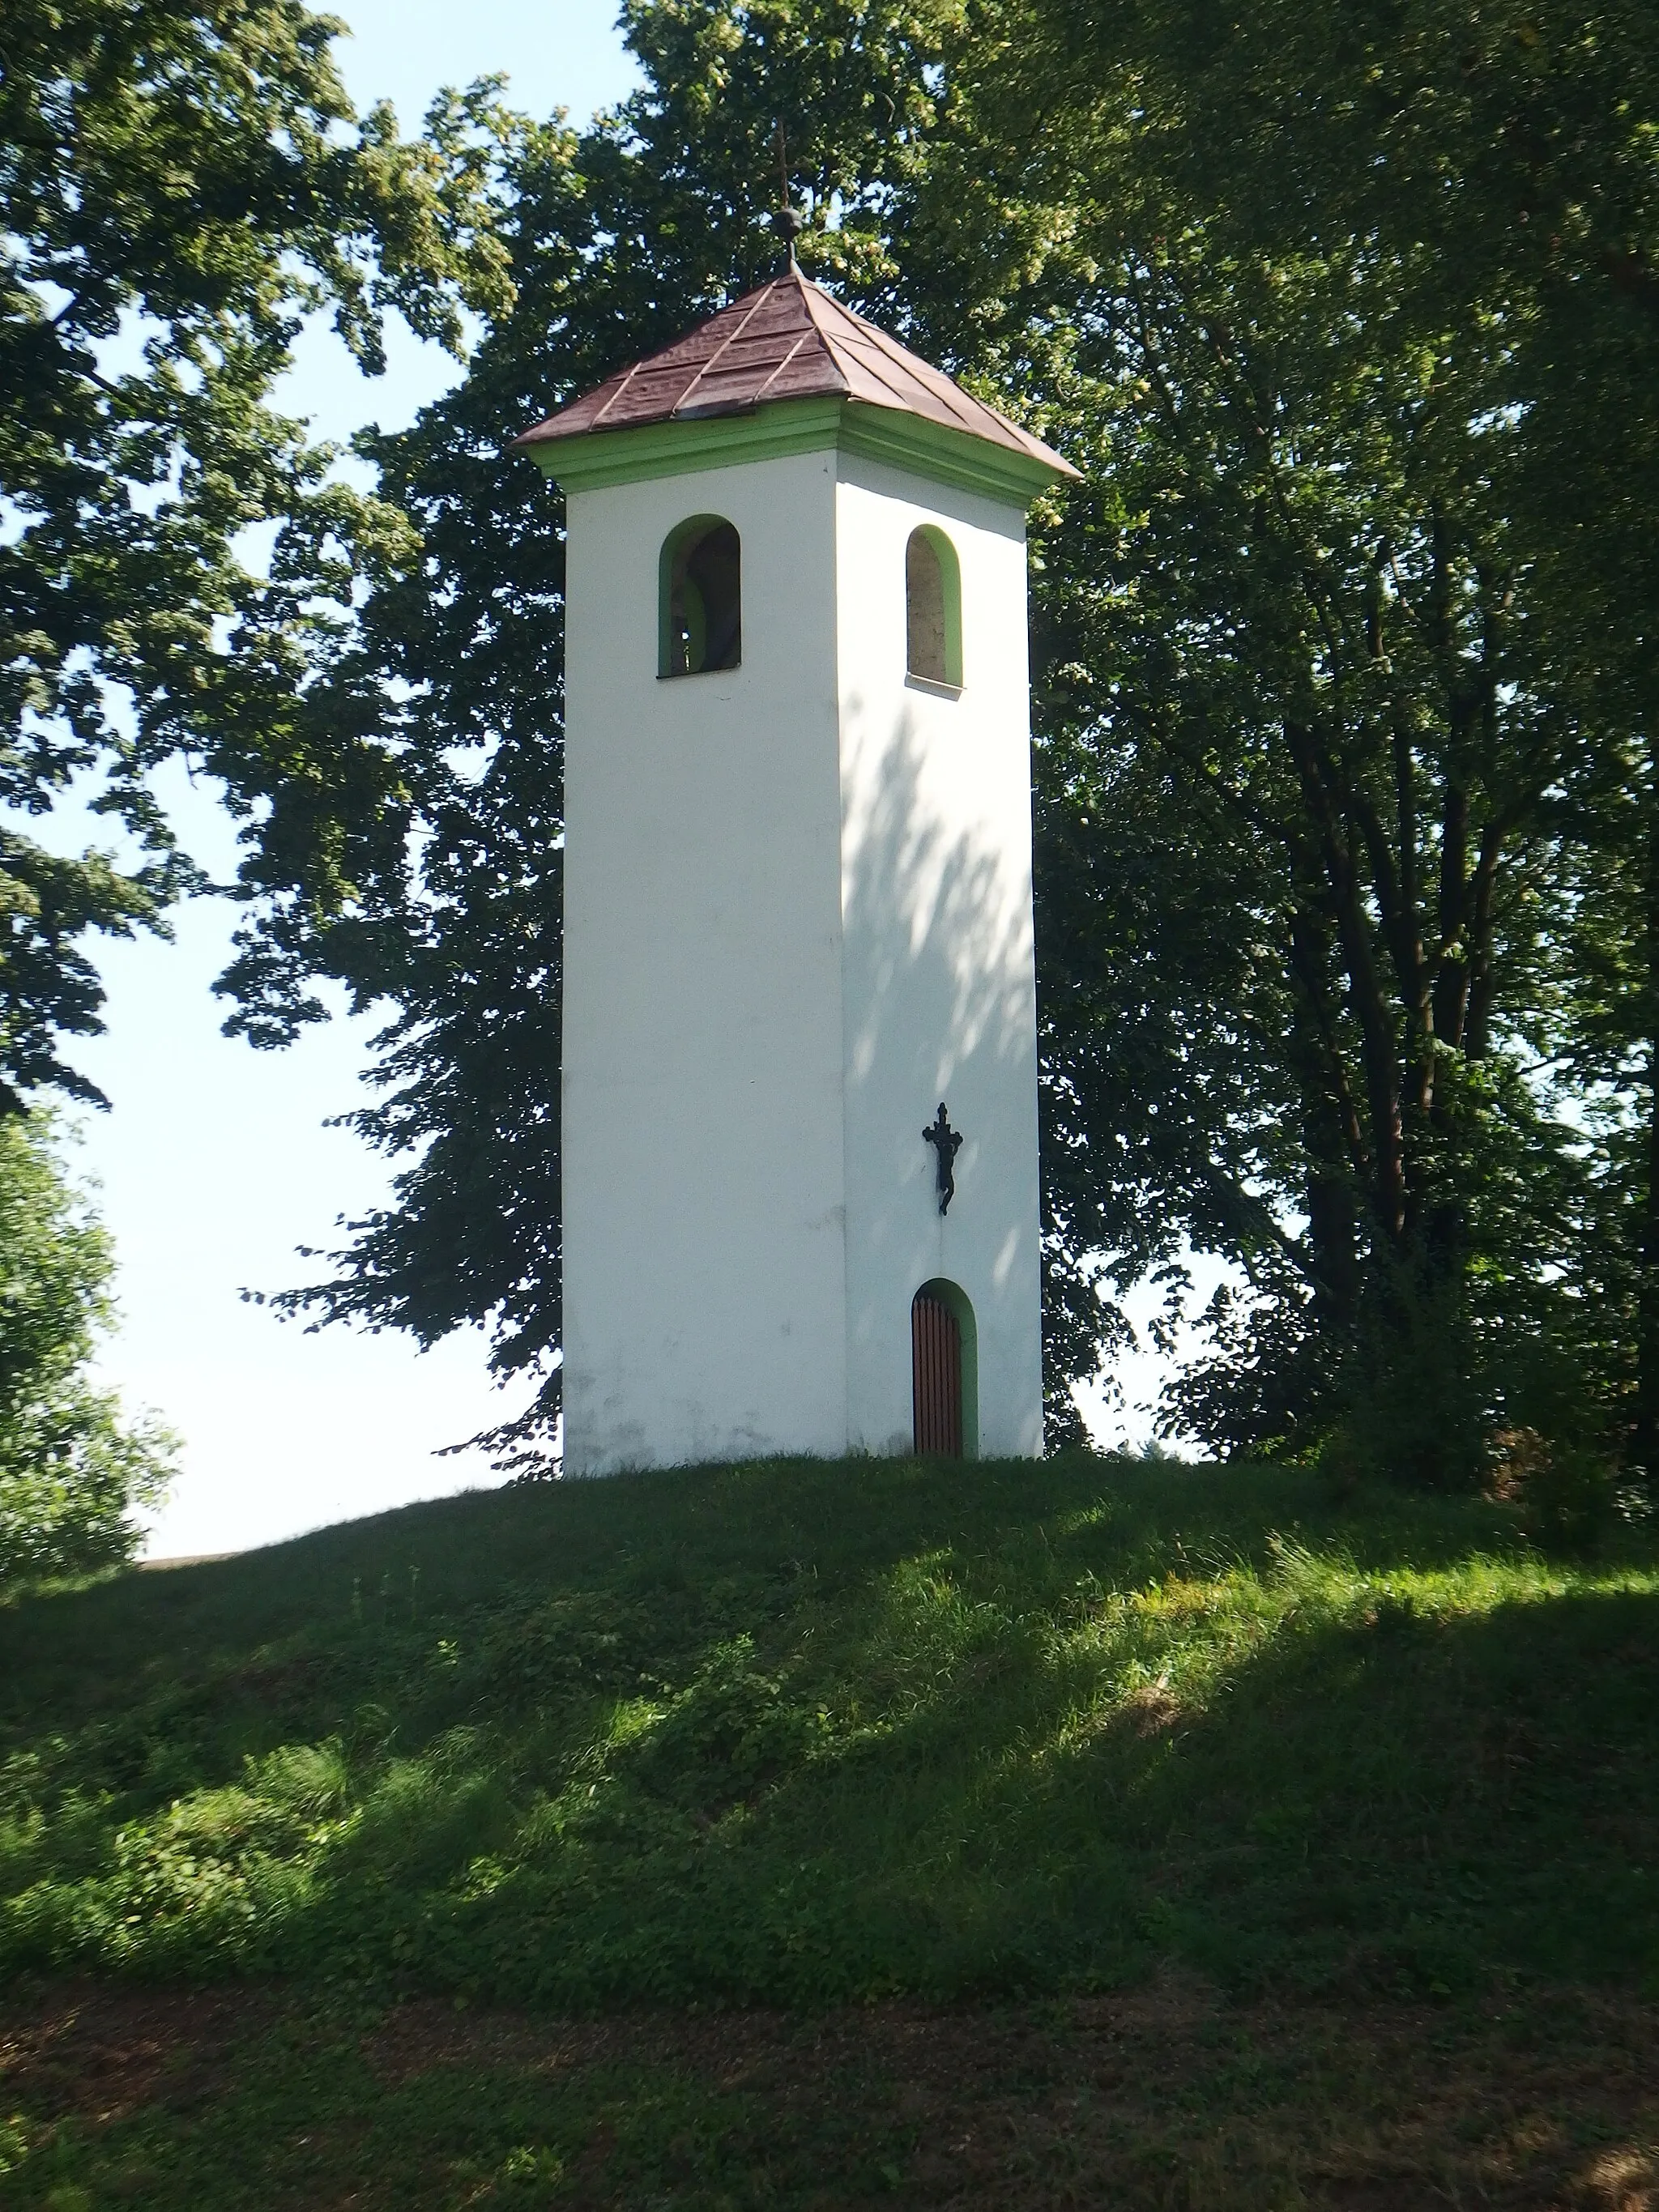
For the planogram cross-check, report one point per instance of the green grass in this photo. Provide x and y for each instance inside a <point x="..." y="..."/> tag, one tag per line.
<point x="805" y="1735"/>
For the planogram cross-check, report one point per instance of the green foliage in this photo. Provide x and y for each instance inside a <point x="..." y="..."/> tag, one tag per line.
<point x="619" y="236"/>
<point x="1341" y="759"/>
<point x="72" y="1468"/>
<point x="179" y="186"/>
<point x="1340" y="713"/>
<point x="470" y="1067"/>
<point x="1564" y="1488"/>
<point x="799" y="1734"/>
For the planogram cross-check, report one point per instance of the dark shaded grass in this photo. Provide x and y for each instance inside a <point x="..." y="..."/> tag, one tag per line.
<point x="1174" y="2099"/>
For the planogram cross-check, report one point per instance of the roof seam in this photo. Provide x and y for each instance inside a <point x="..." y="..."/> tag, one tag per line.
<point x="782" y="365"/>
<point x="965" y="409"/>
<point x="621" y="385"/>
<point x="725" y="344"/>
<point x="877" y="369"/>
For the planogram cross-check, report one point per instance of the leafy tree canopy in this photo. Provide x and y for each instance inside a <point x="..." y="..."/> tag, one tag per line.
<point x="619" y="236"/>
<point x="1346" y="709"/>
<point x="72" y="1468"/>
<point x="180" y="186"/>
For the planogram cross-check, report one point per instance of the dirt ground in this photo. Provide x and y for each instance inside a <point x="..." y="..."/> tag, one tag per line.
<point x="1172" y="2097"/>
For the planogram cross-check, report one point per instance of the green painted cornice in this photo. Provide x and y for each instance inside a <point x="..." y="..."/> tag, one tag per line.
<point x="953" y="457"/>
<point x="596" y="459"/>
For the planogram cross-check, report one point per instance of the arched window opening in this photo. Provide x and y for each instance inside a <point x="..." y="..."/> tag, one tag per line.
<point x="932" y="609"/>
<point x="945" y="1371"/>
<point x="700" y="598"/>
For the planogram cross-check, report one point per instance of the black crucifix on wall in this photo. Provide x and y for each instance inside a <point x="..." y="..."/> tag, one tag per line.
<point x="946" y="1143"/>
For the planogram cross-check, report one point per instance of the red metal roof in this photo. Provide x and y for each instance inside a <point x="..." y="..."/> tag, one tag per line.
<point x="788" y="340"/>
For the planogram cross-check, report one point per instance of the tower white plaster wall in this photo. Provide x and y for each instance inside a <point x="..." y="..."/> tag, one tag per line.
<point x="797" y="915"/>
<point x="704" y="1245"/>
<point x="937" y="968"/>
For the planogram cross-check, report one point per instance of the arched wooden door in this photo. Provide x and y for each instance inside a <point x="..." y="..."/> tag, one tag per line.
<point x="936" y="1375"/>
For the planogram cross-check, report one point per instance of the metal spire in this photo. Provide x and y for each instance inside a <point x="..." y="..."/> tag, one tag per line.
<point x="785" y="223"/>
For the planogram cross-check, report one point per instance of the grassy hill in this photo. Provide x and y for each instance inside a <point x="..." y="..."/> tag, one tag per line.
<point x="804" y="1736"/>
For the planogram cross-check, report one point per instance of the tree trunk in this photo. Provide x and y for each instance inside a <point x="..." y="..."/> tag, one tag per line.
<point x="1644" y="1443"/>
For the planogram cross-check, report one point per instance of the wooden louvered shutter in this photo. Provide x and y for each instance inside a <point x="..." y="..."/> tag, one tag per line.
<point x="936" y="1375"/>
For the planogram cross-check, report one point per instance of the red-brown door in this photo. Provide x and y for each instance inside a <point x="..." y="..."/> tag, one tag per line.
<point x="936" y="1375"/>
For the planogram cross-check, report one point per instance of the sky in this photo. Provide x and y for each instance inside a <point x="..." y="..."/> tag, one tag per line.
<point x="216" y="1163"/>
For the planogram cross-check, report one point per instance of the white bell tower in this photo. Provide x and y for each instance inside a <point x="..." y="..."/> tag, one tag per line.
<point x="798" y="902"/>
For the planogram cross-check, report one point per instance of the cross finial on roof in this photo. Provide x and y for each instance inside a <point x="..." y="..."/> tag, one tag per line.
<point x="786" y="222"/>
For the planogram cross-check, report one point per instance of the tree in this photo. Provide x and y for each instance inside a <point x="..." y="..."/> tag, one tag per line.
<point x="1321" y="665"/>
<point x="1331" y="739"/>
<point x="71" y="1469"/>
<point x="619" y="237"/>
<point x="180" y="186"/>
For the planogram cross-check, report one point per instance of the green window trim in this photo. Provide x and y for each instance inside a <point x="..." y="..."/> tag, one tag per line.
<point x="940" y="670"/>
<point x="681" y="612"/>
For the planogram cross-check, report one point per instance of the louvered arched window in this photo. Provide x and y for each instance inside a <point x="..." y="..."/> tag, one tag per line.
<point x="699" y="598"/>
<point x="932" y="609"/>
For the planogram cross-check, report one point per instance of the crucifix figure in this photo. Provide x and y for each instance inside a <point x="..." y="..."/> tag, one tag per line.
<point x="946" y="1143"/>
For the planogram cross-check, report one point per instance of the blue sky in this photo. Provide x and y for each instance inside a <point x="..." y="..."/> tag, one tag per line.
<point x="215" y="1162"/>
